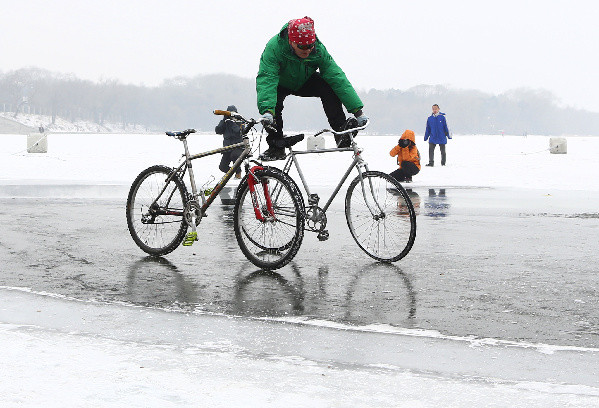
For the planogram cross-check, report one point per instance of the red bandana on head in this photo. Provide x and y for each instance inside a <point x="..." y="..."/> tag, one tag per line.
<point x="301" y="31"/>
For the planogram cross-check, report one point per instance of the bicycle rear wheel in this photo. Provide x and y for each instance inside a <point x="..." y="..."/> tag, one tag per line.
<point x="380" y="216"/>
<point x="156" y="223"/>
<point x="269" y="235"/>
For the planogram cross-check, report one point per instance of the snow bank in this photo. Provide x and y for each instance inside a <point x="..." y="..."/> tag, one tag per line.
<point x="472" y="161"/>
<point x="61" y="125"/>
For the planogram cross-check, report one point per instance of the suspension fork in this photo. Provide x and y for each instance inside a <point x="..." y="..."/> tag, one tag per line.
<point x="252" y="181"/>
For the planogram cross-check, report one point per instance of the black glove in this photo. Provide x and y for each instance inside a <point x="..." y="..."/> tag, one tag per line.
<point x="403" y="142"/>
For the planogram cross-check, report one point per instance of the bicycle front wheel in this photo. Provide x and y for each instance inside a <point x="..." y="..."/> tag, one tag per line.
<point x="380" y="216"/>
<point x="269" y="222"/>
<point x="156" y="221"/>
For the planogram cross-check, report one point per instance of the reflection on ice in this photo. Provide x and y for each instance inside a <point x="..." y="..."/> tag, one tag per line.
<point x="268" y="293"/>
<point x="386" y="290"/>
<point x="436" y="205"/>
<point x="156" y="281"/>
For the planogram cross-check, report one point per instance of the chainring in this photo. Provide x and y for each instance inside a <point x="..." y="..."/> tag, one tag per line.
<point x="192" y="208"/>
<point x="316" y="219"/>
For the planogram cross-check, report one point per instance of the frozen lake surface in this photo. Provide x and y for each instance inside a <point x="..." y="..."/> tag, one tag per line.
<point x="496" y="303"/>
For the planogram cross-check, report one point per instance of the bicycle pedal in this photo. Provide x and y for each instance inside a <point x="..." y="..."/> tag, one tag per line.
<point x="323" y="235"/>
<point x="189" y="239"/>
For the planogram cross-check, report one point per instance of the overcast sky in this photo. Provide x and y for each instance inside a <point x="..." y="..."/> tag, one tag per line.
<point x="491" y="46"/>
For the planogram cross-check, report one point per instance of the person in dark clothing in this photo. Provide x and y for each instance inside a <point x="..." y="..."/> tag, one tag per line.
<point x="295" y="62"/>
<point x="231" y="132"/>
<point x="436" y="133"/>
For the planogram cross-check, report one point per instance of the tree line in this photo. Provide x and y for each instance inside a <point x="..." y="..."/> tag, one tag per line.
<point x="184" y="102"/>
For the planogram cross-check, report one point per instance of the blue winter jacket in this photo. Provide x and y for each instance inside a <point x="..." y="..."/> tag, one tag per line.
<point x="436" y="129"/>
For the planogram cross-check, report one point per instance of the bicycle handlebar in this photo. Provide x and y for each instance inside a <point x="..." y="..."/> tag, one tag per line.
<point x="237" y="116"/>
<point x="343" y="132"/>
<point x="262" y="120"/>
<point x="222" y="112"/>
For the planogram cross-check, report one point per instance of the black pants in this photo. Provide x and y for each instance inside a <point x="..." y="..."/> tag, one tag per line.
<point x="229" y="157"/>
<point x="431" y="153"/>
<point x="315" y="86"/>
<point x="408" y="169"/>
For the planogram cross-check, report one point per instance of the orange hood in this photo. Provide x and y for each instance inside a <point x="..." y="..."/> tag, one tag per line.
<point x="409" y="134"/>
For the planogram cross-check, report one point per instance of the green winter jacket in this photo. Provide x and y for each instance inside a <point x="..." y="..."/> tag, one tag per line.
<point x="280" y="66"/>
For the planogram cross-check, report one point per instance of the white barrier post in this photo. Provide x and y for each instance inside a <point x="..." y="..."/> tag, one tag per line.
<point x="558" y="145"/>
<point x="37" y="143"/>
<point x="315" y="142"/>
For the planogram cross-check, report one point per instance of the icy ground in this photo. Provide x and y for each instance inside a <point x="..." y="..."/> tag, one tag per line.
<point x="64" y="352"/>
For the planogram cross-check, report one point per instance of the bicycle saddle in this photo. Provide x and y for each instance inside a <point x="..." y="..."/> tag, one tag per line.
<point x="182" y="134"/>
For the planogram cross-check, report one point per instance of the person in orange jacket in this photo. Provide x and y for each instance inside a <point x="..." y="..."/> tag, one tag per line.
<point x="408" y="157"/>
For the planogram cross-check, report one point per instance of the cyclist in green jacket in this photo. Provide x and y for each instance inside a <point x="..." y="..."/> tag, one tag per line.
<point x="295" y="62"/>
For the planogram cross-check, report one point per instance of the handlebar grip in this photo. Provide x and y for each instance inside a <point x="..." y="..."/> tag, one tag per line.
<point x="222" y="112"/>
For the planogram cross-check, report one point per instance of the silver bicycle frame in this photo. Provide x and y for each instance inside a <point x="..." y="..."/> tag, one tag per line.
<point x="358" y="162"/>
<point x="186" y="164"/>
<point x="226" y="177"/>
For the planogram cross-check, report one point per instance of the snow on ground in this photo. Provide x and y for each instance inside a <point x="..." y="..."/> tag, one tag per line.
<point x="48" y="366"/>
<point x="34" y="121"/>
<point x="472" y="161"/>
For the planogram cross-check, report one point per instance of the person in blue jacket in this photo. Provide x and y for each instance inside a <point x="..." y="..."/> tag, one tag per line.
<point x="436" y="134"/>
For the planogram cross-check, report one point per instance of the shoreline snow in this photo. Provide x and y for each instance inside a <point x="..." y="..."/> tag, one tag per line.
<point x="472" y="161"/>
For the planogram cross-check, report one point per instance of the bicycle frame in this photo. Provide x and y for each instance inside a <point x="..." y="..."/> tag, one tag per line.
<point x="186" y="164"/>
<point x="358" y="162"/>
<point x="269" y="231"/>
<point x="206" y="202"/>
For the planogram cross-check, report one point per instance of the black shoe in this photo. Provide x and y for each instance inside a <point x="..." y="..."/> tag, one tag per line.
<point x="289" y="141"/>
<point x="345" y="140"/>
<point x="273" y="153"/>
<point x="430" y="165"/>
<point x="408" y="179"/>
<point x="442" y="164"/>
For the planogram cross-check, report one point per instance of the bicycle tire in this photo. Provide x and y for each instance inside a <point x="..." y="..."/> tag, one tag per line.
<point x="162" y="234"/>
<point x="293" y="186"/>
<point x="273" y="242"/>
<point x="386" y="236"/>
